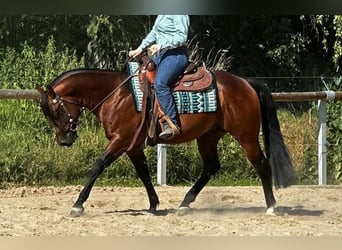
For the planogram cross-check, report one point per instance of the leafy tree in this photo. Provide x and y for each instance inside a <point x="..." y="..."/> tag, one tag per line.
<point x="67" y="30"/>
<point x="35" y="49"/>
<point x="334" y="136"/>
<point x="111" y="37"/>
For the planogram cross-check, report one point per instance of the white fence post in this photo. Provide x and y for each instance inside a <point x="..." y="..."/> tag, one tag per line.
<point x="322" y="142"/>
<point x="322" y="136"/>
<point x="161" y="163"/>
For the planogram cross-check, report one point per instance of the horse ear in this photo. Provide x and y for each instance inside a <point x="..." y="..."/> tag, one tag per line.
<point x="51" y="92"/>
<point x="40" y="89"/>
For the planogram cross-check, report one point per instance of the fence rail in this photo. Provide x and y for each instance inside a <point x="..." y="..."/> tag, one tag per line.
<point x="278" y="97"/>
<point x="19" y="94"/>
<point x="306" y="96"/>
<point x="321" y="97"/>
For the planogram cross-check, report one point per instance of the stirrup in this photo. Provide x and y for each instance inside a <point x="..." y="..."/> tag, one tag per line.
<point x="169" y="129"/>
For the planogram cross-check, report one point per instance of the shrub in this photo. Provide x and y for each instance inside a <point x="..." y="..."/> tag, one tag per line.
<point x="334" y="135"/>
<point x="30" y="156"/>
<point x="25" y="136"/>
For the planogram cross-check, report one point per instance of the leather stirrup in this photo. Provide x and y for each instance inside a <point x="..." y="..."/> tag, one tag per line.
<point x="175" y="128"/>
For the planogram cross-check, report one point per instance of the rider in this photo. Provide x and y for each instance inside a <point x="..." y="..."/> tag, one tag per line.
<point x="167" y="41"/>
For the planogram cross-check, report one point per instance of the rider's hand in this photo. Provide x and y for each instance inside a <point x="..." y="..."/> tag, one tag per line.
<point x="134" y="53"/>
<point x="154" y="49"/>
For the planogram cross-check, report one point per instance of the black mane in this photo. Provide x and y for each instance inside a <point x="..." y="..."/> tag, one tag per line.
<point x="75" y="71"/>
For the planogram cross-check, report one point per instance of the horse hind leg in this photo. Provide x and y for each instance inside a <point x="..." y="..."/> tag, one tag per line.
<point x="207" y="146"/>
<point x="263" y="169"/>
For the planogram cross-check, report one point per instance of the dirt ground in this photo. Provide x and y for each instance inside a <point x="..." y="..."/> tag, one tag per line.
<point x="219" y="211"/>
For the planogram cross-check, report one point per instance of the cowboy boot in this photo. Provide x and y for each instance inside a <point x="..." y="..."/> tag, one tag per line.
<point x="169" y="129"/>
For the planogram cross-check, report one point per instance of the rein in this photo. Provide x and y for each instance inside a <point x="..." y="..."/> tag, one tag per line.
<point x="114" y="90"/>
<point x="73" y="122"/>
<point x="73" y="126"/>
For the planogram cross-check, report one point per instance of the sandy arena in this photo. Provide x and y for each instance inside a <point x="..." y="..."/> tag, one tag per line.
<point x="219" y="211"/>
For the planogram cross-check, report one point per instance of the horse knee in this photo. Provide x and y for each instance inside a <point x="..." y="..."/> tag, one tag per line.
<point x="97" y="169"/>
<point x="212" y="169"/>
<point x="215" y="169"/>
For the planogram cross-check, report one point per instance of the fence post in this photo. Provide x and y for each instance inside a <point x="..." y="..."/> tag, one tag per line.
<point x="322" y="142"/>
<point x="161" y="163"/>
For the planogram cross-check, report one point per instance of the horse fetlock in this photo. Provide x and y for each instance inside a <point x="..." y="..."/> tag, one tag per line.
<point x="183" y="211"/>
<point x="76" y="211"/>
<point x="152" y="210"/>
<point x="270" y="211"/>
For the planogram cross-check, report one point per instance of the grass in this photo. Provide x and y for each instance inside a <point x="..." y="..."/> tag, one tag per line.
<point x="30" y="156"/>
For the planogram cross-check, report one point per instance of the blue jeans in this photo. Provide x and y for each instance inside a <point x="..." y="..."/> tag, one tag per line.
<point x="170" y="64"/>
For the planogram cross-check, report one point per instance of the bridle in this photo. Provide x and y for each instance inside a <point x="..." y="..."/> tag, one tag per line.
<point x="73" y="122"/>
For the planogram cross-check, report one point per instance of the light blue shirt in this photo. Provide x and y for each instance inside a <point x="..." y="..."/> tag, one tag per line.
<point x="168" y="31"/>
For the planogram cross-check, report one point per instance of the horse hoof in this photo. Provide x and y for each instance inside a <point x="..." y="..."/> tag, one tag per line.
<point x="183" y="211"/>
<point x="270" y="211"/>
<point x="152" y="211"/>
<point x="76" y="211"/>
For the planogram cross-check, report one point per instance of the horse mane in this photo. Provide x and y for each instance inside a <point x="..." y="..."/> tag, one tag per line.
<point x="44" y="103"/>
<point x="76" y="71"/>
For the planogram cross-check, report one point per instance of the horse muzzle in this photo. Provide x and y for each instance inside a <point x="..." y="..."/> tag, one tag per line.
<point x="68" y="139"/>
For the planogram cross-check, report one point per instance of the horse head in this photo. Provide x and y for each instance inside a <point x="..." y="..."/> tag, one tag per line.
<point x="62" y="114"/>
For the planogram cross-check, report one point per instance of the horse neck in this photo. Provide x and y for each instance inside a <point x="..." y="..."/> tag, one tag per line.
<point x="89" y="88"/>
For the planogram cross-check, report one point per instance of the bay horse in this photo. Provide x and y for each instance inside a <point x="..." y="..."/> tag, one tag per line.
<point x="243" y="107"/>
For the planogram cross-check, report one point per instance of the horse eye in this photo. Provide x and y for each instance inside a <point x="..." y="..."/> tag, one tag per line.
<point x="73" y="127"/>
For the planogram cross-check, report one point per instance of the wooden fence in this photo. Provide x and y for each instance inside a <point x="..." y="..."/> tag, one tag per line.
<point x="322" y="97"/>
<point x="278" y="97"/>
<point x="19" y="94"/>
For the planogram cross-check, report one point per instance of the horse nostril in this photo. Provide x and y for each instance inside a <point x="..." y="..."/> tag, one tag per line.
<point x="66" y="144"/>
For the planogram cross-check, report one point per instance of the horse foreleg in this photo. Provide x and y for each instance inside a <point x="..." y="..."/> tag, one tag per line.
<point x="139" y="161"/>
<point x="96" y="170"/>
<point x="207" y="146"/>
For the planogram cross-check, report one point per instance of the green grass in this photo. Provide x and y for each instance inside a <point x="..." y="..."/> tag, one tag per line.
<point x="30" y="155"/>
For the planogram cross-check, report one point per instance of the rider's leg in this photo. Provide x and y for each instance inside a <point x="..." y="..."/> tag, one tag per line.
<point x="170" y="67"/>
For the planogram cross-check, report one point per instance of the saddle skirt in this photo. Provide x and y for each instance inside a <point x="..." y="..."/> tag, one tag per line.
<point x="198" y="79"/>
<point x="194" y="92"/>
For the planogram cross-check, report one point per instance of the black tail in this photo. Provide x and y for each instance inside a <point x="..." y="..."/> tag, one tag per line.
<point x="276" y="151"/>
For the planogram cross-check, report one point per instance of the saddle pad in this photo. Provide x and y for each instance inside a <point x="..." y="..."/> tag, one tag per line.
<point x="135" y="85"/>
<point x="186" y="102"/>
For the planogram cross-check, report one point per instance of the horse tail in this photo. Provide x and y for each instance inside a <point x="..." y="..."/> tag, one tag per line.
<point x="277" y="153"/>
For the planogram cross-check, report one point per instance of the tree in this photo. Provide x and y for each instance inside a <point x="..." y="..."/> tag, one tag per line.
<point x="251" y="46"/>
<point x="67" y="30"/>
<point x="111" y="37"/>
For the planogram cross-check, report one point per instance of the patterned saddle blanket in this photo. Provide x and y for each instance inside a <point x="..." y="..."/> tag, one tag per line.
<point x="187" y="102"/>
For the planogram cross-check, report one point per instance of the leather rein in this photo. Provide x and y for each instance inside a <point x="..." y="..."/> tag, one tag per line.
<point x="114" y="90"/>
<point x="75" y="122"/>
